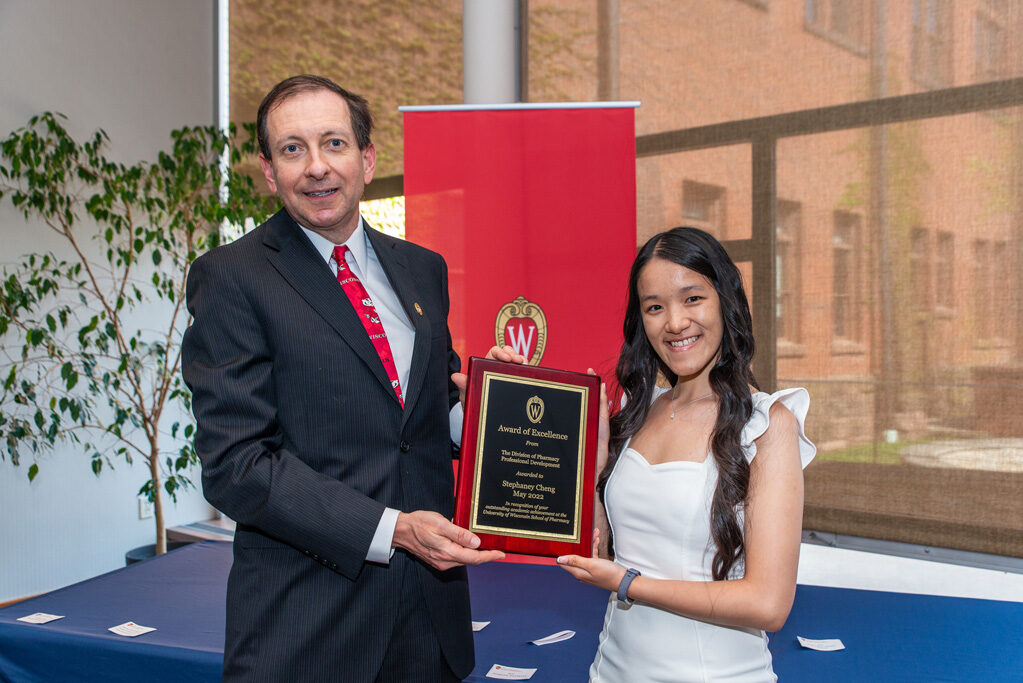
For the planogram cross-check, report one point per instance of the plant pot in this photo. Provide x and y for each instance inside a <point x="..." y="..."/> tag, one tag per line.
<point x="144" y="552"/>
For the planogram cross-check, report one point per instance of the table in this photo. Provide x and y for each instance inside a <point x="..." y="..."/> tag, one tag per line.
<point x="180" y="593"/>
<point x="888" y="636"/>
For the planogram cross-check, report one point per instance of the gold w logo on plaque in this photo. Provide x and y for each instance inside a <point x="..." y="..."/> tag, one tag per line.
<point x="534" y="409"/>
<point x="522" y="325"/>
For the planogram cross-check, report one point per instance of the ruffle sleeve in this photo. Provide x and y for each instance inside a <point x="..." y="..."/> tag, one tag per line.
<point x="797" y="400"/>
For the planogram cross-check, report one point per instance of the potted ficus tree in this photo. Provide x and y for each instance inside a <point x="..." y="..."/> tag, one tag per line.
<point x="90" y="338"/>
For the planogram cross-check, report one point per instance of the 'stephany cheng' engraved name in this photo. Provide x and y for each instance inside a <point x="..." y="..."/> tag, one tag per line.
<point x="521" y="490"/>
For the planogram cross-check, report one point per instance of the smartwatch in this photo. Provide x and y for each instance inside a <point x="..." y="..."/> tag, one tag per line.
<point x="623" y="587"/>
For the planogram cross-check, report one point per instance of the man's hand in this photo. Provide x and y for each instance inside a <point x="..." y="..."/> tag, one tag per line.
<point x="506" y="354"/>
<point x="438" y="542"/>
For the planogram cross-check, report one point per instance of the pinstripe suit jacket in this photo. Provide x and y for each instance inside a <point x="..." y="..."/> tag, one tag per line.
<point x="303" y="443"/>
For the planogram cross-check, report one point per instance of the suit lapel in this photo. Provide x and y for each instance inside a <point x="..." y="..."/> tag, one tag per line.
<point x="405" y="287"/>
<point x="295" y="258"/>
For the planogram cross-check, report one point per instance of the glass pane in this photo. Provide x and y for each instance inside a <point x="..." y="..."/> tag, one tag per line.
<point x="698" y="63"/>
<point x="707" y="189"/>
<point x="911" y="286"/>
<point x="392" y="54"/>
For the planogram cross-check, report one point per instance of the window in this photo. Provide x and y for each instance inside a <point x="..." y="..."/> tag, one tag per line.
<point x="846" y="275"/>
<point x="945" y="270"/>
<point x="1002" y="293"/>
<point x="932" y="42"/>
<point x="920" y="269"/>
<point x="703" y="206"/>
<point x="787" y="230"/>
<point x="989" y="50"/>
<point x="840" y="21"/>
<point x="992" y="296"/>
<point x="984" y="288"/>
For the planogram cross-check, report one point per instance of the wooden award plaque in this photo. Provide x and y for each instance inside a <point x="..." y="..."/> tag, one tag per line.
<point x="528" y="458"/>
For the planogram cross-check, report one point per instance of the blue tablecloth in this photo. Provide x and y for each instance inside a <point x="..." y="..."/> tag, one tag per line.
<point x="181" y="594"/>
<point x="888" y="636"/>
<point x="525" y="602"/>
<point x="900" y="637"/>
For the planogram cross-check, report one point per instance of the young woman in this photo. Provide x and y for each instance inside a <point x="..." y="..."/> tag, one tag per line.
<point x="703" y="489"/>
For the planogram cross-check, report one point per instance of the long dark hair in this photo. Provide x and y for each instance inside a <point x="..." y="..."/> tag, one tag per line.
<point x="730" y="379"/>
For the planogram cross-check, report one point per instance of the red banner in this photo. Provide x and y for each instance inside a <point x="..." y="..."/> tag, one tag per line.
<point x="534" y="210"/>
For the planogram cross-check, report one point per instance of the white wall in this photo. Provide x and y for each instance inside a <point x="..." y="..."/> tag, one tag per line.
<point x="138" y="69"/>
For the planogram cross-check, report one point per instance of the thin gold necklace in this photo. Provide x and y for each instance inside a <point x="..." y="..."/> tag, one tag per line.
<point x="675" y="408"/>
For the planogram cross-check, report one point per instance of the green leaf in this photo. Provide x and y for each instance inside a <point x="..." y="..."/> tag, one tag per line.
<point x="171" y="486"/>
<point x="33" y="471"/>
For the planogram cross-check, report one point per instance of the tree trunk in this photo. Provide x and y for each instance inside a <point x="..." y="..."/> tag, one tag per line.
<point x="161" y="528"/>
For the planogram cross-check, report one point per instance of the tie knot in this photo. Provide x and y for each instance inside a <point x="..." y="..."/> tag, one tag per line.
<point x="339" y="254"/>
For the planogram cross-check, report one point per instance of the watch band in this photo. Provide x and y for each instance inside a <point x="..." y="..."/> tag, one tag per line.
<point x="623" y="587"/>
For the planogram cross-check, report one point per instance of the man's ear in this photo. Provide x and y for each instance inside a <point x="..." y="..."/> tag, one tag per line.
<point x="369" y="163"/>
<point x="268" y="171"/>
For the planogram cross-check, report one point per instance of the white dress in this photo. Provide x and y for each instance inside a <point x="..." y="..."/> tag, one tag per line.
<point x="660" y="522"/>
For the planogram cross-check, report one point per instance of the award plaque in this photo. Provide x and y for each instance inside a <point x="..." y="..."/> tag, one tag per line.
<point x="529" y="445"/>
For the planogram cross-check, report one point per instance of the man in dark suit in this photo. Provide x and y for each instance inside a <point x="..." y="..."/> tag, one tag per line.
<point x="320" y="360"/>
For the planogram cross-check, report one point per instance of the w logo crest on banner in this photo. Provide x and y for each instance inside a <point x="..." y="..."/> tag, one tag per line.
<point x="520" y="334"/>
<point x="522" y="325"/>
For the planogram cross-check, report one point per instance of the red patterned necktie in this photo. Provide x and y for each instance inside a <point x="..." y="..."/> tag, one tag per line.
<point x="367" y="313"/>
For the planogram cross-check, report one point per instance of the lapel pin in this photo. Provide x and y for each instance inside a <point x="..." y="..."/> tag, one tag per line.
<point x="418" y="309"/>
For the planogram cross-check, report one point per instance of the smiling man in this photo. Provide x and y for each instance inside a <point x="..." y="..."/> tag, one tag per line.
<point x="319" y="359"/>
<point x="316" y="154"/>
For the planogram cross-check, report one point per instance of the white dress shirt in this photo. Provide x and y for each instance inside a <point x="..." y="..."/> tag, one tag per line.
<point x="401" y="337"/>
